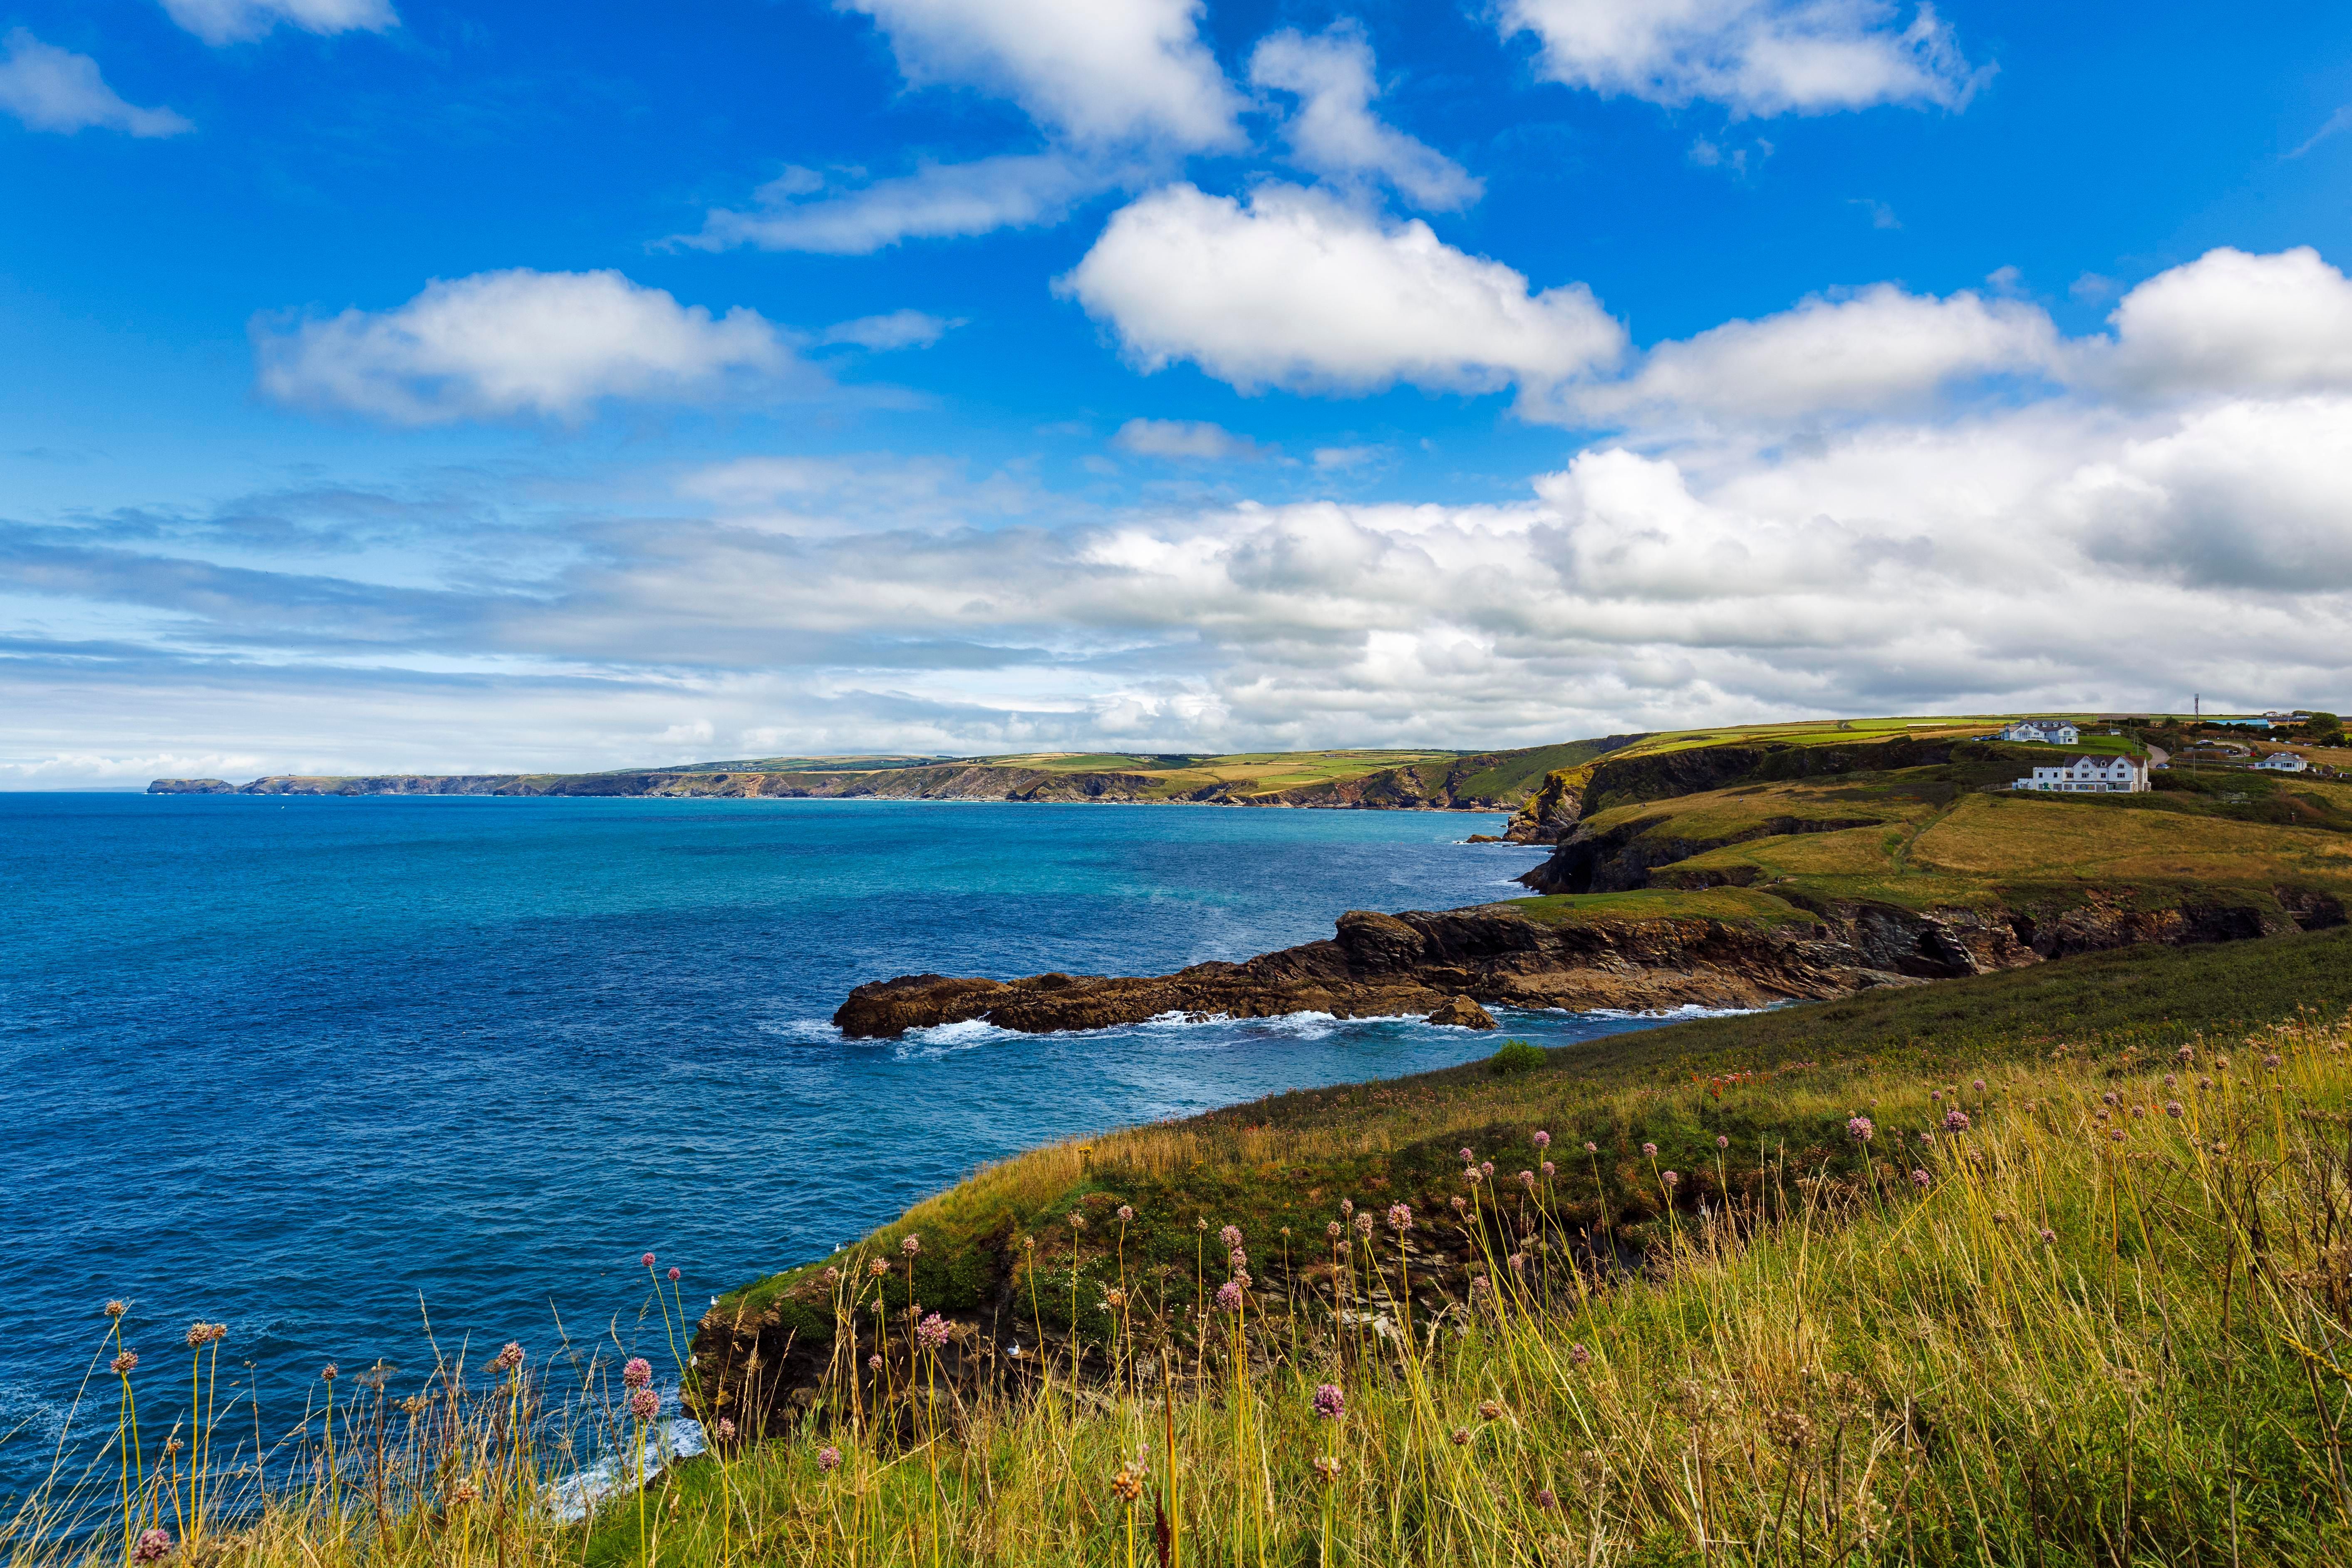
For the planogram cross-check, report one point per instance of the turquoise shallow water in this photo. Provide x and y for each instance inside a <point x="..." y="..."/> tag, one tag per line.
<point x="298" y="1064"/>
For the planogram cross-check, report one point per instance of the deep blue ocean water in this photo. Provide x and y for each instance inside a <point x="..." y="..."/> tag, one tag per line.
<point x="301" y="1063"/>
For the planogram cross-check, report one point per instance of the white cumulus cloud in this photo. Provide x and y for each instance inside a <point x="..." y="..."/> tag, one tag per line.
<point x="1334" y="131"/>
<point x="1876" y="352"/>
<point x="1296" y="290"/>
<point x="51" y="89"/>
<point x="1759" y="57"/>
<point x="1093" y="71"/>
<point x="220" y="22"/>
<point x="517" y="342"/>
<point x="2230" y="321"/>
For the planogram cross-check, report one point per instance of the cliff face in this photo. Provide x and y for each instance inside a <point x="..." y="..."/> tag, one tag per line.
<point x="1414" y="965"/>
<point x="1569" y="796"/>
<point x="1460" y="785"/>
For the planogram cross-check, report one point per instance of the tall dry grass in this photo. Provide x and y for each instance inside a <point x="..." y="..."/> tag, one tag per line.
<point x="2080" y="1315"/>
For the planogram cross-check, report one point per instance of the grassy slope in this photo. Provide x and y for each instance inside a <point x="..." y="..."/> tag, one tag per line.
<point x="1286" y="1158"/>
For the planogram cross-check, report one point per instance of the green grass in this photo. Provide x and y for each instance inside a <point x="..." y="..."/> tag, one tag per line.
<point x="1737" y="906"/>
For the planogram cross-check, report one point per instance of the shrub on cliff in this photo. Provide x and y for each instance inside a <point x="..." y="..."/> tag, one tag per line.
<point x="1517" y="1056"/>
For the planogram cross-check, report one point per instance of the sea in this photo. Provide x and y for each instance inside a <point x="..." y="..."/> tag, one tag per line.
<point x="362" y="1077"/>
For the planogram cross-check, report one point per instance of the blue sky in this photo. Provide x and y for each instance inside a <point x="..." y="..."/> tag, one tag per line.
<point x="397" y="385"/>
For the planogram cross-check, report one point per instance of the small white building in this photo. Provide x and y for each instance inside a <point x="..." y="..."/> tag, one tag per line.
<point x="2046" y="732"/>
<point x="2091" y="775"/>
<point x="2284" y="763"/>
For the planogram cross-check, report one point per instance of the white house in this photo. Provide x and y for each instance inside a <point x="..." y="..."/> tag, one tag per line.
<point x="2050" y="732"/>
<point x="2091" y="775"/>
<point x="2283" y="762"/>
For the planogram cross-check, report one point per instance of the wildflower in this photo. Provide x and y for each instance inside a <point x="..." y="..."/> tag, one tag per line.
<point x="673" y="1275"/>
<point x="1859" y="1128"/>
<point x="1238" y="1258"/>
<point x="1114" y="1298"/>
<point x="1978" y="1086"/>
<point x="1486" y="1168"/>
<point x="1401" y="1218"/>
<point x="2204" y="1083"/>
<point x="2138" y="1112"/>
<point x="1468" y="1158"/>
<point x="203" y="1334"/>
<point x="874" y="1363"/>
<point x="2172" y="1109"/>
<point x="152" y="1545"/>
<point x="2222" y="1064"/>
<point x="463" y="1492"/>
<point x="508" y="1359"/>
<point x="1229" y="1296"/>
<point x="880" y="1267"/>
<point x="1671" y="1179"/>
<point x="1591" y="1147"/>
<point x="1480" y="1286"/>
<point x="1928" y="1139"/>
<point x="115" y="1309"/>
<point x="2116" y="1134"/>
<point x="2220" y="1147"/>
<point x="1347" y="1207"/>
<point x="1999" y="1217"/>
<point x="1335" y="1230"/>
<point x="828" y="1457"/>
<point x="1126" y="1214"/>
<point x="932" y="1331"/>
<point x="1648" y="1150"/>
<point x="1580" y="1355"/>
<point x="1936" y="1094"/>
<point x="1461" y="1205"/>
<point x="1543" y="1139"/>
<point x="644" y="1404"/>
<point x="1918" y="1178"/>
<point x="1491" y="1410"/>
<point x="1364" y="1222"/>
<point x="124" y="1362"/>
<point x="2110" y="1098"/>
<point x="1462" y="1437"/>
<point x="1527" y="1180"/>
<point x="1955" y="1121"/>
<point x="1127" y="1483"/>
<point x="2048" y="1236"/>
<point x="1230" y="1236"/>
<point x="1327" y="1469"/>
<point x="1519" y="1262"/>
<point x="1241" y="1279"/>
<point x="833" y="1276"/>
<point x="1548" y="1170"/>
<point x="1721" y="1142"/>
<point x="1077" y="1220"/>
<point x="911" y="1246"/>
<point x="2270" y="1060"/>
<point x="1471" y="1176"/>
<point x="726" y="1429"/>
<point x="639" y="1372"/>
<point x="1329" y="1403"/>
<point x="1545" y="1500"/>
<point x="2183" y="1053"/>
<point x="649" y="1261"/>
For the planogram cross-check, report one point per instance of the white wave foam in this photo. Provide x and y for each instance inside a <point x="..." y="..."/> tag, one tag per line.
<point x="579" y="1494"/>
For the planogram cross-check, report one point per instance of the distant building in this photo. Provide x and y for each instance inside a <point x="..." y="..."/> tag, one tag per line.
<point x="2046" y="732"/>
<point x="2284" y="763"/>
<point x="2091" y="775"/>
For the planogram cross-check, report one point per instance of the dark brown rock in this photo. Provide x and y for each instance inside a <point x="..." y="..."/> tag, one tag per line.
<point x="1462" y="1014"/>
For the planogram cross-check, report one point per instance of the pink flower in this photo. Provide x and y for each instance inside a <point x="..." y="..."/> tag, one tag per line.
<point x="2173" y="1108"/>
<point x="1400" y="1217"/>
<point x="124" y="1362"/>
<point x="152" y="1545"/>
<point x="1955" y="1121"/>
<point x="1335" y="1230"/>
<point x="637" y="1372"/>
<point x="726" y="1430"/>
<point x="1648" y="1150"/>
<point x="1125" y="1213"/>
<point x="644" y="1404"/>
<point x="1486" y="1168"/>
<point x="1527" y="1180"/>
<point x="1918" y="1178"/>
<point x="1519" y="1262"/>
<point x="1329" y="1403"/>
<point x="828" y="1458"/>
<point x="1859" y="1128"/>
<point x="1468" y="1158"/>
<point x="1591" y="1147"/>
<point x="874" y="1363"/>
<point x="1230" y="1236"/>
<point x="1461" y="1205"/>
<point x="1238" y="1258"/>
<point x="649" y="1261"/>
<point x="911" y="1246"/>
<point x="673" y="1276"/>
<point x="508" y="1359"/>
<point x="1672" y="1180"/>
<point x="1545" y="1500"/>
<point x="932" y="1331"/>
<point x="1978" y="1086"/>
<point x="1229" y="1296"/>
<point x="1580" y="1355"/>
<point x="1543" y="1139"/>
<point x="1721" y="1142"/>
<point x="1546" y="1169"/>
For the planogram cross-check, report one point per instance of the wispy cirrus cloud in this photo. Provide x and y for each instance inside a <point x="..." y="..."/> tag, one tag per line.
<point x="50" y="89"/>
<point x="220" y="22"/>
